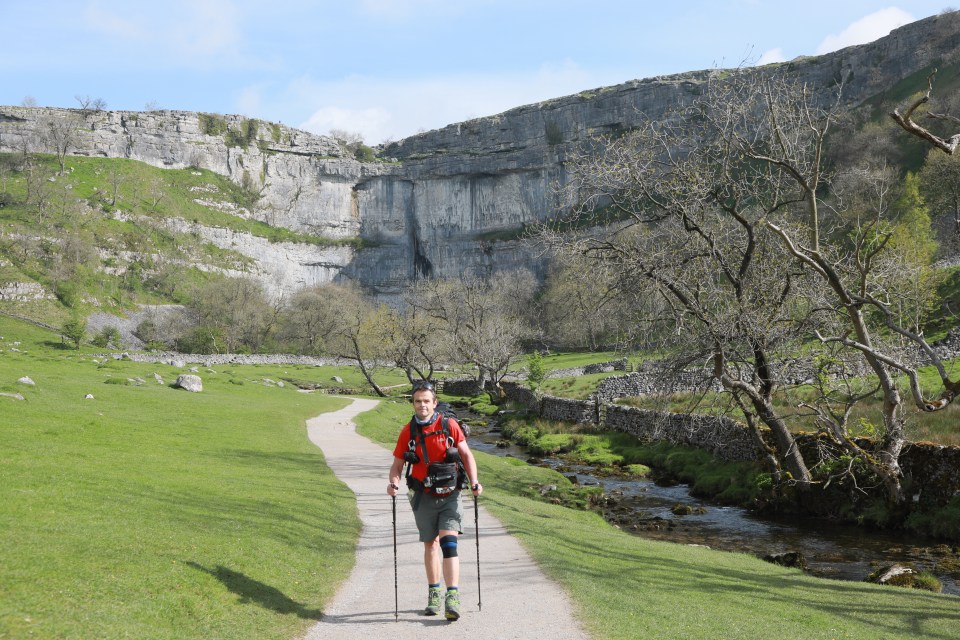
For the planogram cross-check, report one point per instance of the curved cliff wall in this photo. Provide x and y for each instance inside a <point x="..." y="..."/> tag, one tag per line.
<point x="450" y="200"/>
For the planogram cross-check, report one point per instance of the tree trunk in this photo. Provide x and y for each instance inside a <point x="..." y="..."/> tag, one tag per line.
<point x="786" y="444"/>
<point x="366" y="374"/>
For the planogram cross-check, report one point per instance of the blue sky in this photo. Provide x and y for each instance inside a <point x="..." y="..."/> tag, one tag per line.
<point x="390" y="68"/>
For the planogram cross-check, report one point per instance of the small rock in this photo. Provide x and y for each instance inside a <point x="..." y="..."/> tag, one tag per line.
<point x="885" y="574"/>
<point x="189" y="382"/>
<point x="26" y="380"/>
<point x="15" y="396"/>
<point x="793" y="559"/>
<point x="89" y="396"/>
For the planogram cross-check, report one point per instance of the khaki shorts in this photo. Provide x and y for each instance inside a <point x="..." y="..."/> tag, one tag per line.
<point x="434" y="514"/>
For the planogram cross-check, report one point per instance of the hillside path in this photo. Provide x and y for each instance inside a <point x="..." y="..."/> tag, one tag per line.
<point x="518" y="601"/>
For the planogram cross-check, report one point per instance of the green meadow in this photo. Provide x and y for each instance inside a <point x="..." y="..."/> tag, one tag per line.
<point x="151" y="512"/>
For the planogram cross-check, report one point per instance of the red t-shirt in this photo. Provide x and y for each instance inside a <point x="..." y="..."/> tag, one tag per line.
<point x="436" y="444"/>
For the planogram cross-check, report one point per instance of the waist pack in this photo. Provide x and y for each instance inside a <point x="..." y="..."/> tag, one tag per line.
<point x="442" y="477"/>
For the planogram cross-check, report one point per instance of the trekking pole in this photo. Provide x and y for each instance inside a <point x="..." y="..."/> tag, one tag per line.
<point x="396" y="597"/>
<point x="476" y="529"/>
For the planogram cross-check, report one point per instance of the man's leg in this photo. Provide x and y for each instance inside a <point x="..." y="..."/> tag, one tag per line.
<point x="451" y="564"/>
<point x="451" y="572"/>
<point x="431" y="560"/>
<point x="432" y="566"/>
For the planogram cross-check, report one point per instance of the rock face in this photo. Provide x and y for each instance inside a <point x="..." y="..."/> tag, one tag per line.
<point x="458" y="197"/>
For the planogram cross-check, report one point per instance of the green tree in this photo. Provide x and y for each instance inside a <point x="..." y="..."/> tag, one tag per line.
<point x="536" y="371"/>
<point x="911" y="280"/>
<point x="939" y="185"/>
<point x="74" y="330"/>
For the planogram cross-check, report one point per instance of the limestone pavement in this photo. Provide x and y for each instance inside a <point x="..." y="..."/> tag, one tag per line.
<point x="515" y="601"/>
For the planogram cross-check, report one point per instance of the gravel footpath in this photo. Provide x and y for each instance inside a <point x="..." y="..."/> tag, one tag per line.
<point x="518" y="601"/>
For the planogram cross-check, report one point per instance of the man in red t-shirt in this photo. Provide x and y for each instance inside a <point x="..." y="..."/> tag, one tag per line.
<point x="437" y="509"/>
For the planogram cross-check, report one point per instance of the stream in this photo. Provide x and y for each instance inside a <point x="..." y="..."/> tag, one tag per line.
<point x="831" y="550"/>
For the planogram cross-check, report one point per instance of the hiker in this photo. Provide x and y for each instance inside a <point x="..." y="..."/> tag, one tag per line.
<point x="434" y="479"/>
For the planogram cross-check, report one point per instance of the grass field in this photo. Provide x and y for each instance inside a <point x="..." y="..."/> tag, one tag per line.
<point x="151" y="512"/>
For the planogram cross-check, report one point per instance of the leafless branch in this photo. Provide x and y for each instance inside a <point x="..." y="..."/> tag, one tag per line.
<point x="949" y="145"/>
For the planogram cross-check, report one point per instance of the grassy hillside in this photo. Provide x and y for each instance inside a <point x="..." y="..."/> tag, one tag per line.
<point x="100" y="235"/>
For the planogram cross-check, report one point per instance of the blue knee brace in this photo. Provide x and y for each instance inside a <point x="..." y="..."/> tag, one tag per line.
<point x="448" y="546"/>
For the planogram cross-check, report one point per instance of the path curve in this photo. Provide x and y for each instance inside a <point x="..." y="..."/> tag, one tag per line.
<point x="518" y="601"/>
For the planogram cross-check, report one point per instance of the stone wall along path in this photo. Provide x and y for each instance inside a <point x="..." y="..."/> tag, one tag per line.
<point x="518" y="601"/>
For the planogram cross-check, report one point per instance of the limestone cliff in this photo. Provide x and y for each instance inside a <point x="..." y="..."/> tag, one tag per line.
<point x="454" y="197"/>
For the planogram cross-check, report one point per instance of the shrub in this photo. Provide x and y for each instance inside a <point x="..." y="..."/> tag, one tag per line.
<point x="107" y="337"/>
<point x="75" y="330"/>
<point x="212" y="125"/>
<point x="363" y="153"/>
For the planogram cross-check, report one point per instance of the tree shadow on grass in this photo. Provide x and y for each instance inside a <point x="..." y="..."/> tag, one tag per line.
<point x="254" y="591"/>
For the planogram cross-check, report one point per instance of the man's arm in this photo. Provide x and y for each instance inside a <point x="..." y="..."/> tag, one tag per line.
<point x="470" y="465"/>
<point x="393" y="488"/>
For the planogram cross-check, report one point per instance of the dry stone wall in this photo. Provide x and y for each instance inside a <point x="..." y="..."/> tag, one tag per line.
<point x="933" y="470"/>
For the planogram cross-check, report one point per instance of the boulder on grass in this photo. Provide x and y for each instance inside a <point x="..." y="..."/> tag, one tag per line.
<point x="189" y="382"/>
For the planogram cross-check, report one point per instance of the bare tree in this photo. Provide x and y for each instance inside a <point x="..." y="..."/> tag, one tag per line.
<point x="310" y="318"/>
<point x="359" y="335"/>
<point x="231" y="315"/>
<point x="580" y="305"/>
<point x="944" y="142"/>
<point x="89" y="105"/>
<point x="116" y="177"/>
<point x="60" y="133"/>
<point x="414" y="341"/>
<point x="483" y="319"/>
<point x="722" y="213"/>
<point x="37" y="180"/>
<point x="157" y="192"/>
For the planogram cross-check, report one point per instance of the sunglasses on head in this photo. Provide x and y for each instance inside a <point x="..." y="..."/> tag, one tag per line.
<point x="423" y="384"/>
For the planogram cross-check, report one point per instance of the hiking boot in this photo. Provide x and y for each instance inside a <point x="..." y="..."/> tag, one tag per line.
<point x="433" y="601"/>
<point x="452" y="605"/>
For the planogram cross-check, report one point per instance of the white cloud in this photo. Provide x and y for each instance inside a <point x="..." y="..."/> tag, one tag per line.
<point x="206" y="28"/>
<point x="371" y="122"/>
<point x="201" y="34"/>
<point x="771" y="56"/>
<point x="866" y="29"/>
<point x="382" y="108"/>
